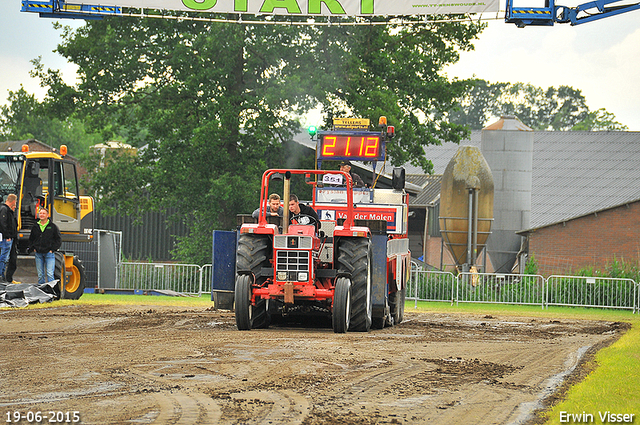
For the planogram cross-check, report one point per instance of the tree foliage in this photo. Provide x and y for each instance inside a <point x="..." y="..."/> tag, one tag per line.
<point x="211" y="106"/>
<point x="561" y="109"/>
<point x="599" y="120"/>
<point x="394" y="71"/>
<point x="211" y="98"/>
<point x="26" y="118"/>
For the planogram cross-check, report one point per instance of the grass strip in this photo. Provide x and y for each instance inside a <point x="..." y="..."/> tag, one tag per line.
<point x="203" y="301"/>
<point x="612" y="387"/>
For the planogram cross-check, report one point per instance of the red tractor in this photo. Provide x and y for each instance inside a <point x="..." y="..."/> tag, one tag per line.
<point x="352" y="264"/>
<point x="345" y="265"/>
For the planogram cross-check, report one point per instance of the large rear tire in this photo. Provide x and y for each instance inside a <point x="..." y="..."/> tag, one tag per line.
<point x="74" y="283"/>
<point x="341" y="311"/>
<point x="354" y="258"/>
<point x="396" y="303"/>
<point x="253" y="255"/>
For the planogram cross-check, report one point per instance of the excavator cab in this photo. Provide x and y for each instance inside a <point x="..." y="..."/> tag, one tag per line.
<point x="51" y="183"/>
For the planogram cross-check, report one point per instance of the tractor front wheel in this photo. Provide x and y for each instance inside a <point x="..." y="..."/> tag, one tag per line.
<point x="253" y="255"/>
<point x="341" y="305"/>
<point x="243" y="302"/>
<point x="249" y="316"/>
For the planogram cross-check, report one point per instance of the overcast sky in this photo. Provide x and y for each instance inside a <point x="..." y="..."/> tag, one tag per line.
<point x="601" y="58"/>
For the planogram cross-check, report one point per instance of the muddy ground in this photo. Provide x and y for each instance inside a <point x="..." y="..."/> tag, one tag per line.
<point x="170" y="365"/>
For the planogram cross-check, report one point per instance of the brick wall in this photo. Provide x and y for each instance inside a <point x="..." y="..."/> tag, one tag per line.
<point x="590" y="241"/>
<point x="436" y="252"/>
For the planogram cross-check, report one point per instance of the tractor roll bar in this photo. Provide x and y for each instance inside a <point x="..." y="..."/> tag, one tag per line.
<point x="264" y="192"/>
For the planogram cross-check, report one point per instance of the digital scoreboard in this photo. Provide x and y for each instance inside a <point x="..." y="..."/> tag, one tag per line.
<point x="359" y="147"/>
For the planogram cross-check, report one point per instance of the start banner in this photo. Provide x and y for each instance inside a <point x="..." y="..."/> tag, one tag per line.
<point x="338" y="8"/>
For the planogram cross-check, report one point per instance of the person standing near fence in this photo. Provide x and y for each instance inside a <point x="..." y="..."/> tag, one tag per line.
<point x="45" y="240"/>
<point x="9" y="231"/>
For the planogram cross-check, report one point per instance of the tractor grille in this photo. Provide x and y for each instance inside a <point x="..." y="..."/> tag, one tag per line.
<point x="292" y="266"/>
<point x="287" y="241"/>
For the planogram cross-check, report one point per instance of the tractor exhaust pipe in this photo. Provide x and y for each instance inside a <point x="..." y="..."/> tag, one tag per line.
<point x="285" y="195"/>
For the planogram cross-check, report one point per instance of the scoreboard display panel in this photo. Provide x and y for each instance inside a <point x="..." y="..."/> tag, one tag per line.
<point x="359" y="147"/>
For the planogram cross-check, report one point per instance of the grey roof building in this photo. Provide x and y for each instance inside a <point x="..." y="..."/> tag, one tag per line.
<point x="574" y="172"/>
<point x="429" y="189"/>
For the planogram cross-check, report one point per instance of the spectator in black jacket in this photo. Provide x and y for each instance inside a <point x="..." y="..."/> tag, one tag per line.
<point x="45" y="240"/>
<point x="9" y="231"/>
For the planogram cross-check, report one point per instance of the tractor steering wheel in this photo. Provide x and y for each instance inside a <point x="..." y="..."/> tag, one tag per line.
<point x="311" y="218"/>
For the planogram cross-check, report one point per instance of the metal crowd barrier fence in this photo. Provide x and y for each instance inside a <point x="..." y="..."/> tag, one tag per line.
<point x="588" y="291"/>
<point x="431" y="286"/>
<point x="575" y="291"/>
<point x="500" y="288"/>
<point x="205" y="279"/>
<point x="183" y="278"/>
<point x="94" y="252"/>
<point x="426" y="285"/>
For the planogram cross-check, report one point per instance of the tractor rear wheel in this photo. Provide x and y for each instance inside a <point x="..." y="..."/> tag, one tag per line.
<point x="341" y="311"/>
<point x="354" y="258"/>
<point x="75" y="282"/>
<point x="253" y="255"/>
<point x="396" y="301"/>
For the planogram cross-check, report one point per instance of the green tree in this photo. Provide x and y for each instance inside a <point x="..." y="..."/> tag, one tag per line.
<point x="210" y="98"/>
<point x="531" y="266"/>
<point x="600" y="120"/>
<point x="26" y="118"/>
<point x="378" y="70"/>
<point x="211" y="106"/>
<point x="477" y="104"/>
<point x="561" y="109"/>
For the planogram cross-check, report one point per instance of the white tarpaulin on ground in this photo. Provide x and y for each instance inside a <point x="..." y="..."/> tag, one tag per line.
<point x="338" y="8"/>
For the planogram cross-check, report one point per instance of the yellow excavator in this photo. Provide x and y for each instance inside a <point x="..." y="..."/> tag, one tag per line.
<point x="49" y="180"/>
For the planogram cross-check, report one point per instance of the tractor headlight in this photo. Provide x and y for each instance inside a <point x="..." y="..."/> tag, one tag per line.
<point x="282" y="276"/>
<point x="303" y="276"/>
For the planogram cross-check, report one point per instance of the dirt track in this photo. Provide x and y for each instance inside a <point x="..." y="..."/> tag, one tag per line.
<point x="168" y="365"/>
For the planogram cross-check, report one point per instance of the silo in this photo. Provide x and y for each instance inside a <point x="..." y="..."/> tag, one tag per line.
<point x="507" y="145"/>
<point x="466" y="204"/>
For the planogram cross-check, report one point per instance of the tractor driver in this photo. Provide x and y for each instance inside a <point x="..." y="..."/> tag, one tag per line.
<point x="303" y="214"/>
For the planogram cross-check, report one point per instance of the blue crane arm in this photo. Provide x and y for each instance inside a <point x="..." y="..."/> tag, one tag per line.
<point x="550" y="13"/>
<point x="63" y="9"/>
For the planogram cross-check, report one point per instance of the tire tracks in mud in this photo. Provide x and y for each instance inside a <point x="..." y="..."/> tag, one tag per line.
<point x="256" y="407"/>
<point x="185" y="408"/>
<point x="170" y="366"/>
<point x="275" y="407"/>
<point x="182" y="406"/>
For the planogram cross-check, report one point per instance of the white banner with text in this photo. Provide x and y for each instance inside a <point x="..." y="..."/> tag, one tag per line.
<point x="338" y="8"/>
